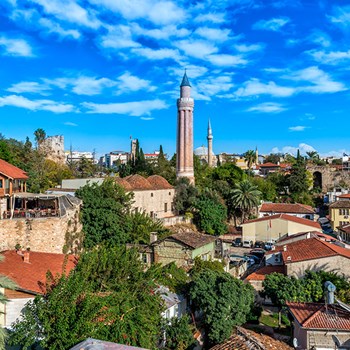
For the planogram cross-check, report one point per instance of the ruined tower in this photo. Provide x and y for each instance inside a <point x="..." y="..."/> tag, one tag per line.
<point x="210" y="145"/>
<point x="184" y="142"/>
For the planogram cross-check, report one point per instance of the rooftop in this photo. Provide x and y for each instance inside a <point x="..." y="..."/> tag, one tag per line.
<point x="309" y="249"/>
<point x="192" y="239"/>
<point x="12" y="171"/>
<point x="259" y="275"/>
<point x="95" y="344"/>
<point x="31" y="276"/>
<point x="346" y="196"/>
<point x="288" y="218"/>
<point x="295" y="208"/>
<point x="269" y="165"/>
<point x="345" y="228"/>
<point x="340" y="204"/>
<point x="320" y="316"/>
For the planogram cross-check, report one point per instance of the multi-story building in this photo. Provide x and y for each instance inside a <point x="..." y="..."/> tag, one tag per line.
<point x="75" y="156"/>
<point x="339" y="213"/>
<point x="115" y="158"/>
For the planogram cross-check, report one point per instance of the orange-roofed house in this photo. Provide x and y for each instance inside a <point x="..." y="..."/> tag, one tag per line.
<point x="28" y="270"/>
<point x="294" y="209"/>
<point x="12" y="180"/>
<point x="312" y="254"/>
<point x="271" y="228"/>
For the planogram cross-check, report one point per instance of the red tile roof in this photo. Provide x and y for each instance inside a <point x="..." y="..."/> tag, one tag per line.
<point x="295" y="208"/>
<point x="287" y="217"/>
<point x="259" y="275"/>
<point x="269" y="165"/>
<point x="344" y="195"/>
<point x="159" y="183"/>
<point x="192" y="239"/>
<point x="12" y="171"/>
<point x="308" y="233"/>
<point x="31" y="276"/>
<point x="344" y="228"/>
<point x="309" y="249"/>
<point x="320" y="316"/>
<point x="340" y="204"/>
<point x="139" y="183"/>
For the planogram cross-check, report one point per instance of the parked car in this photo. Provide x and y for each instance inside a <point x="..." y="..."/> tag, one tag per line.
<point x="259" y="244"/>
<point x="258" y="252"/>
<point x="269" y="245"/>
<point x="323" y="221"/>
<point x="247" y="244"/>
<point x="237" y="242"/>
<point x="253" y="257"/>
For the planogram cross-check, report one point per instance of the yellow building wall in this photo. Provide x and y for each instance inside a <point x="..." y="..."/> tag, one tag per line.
<point x="336" y="218"/>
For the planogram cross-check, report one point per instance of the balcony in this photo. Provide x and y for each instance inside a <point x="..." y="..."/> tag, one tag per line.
<point x="30" y="213"/>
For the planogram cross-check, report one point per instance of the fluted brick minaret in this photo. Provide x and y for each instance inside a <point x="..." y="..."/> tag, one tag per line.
<point x="210" y="145"/>
<point x="184" y="144"/>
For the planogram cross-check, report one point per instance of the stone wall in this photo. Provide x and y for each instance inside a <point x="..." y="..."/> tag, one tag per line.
<point x="169" y="251"/>
<point x="48" y="235"/>
<point x="337" y="264"/>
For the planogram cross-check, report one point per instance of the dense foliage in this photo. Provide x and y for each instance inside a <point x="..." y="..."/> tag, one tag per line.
<point x="224" y="300"/>
<point x="108" y="296"/>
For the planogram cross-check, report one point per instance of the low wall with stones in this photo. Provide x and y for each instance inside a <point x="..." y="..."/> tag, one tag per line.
<point x="49" y="235"/>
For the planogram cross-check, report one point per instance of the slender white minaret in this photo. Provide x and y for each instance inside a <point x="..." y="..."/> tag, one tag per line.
<point x="210" y="145"/>
<point x="184" y="144"/>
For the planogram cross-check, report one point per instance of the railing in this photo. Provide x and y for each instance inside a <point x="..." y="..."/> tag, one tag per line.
<point x="30" y="213"/>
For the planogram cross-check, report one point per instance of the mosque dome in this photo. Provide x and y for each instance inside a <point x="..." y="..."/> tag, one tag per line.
<point x="202" y="151"/>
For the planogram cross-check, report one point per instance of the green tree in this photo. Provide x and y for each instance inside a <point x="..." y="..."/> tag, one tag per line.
<point x="250" y="158"/>
<point x="105" y="213"/>
<point x="224" y="300"/>
<point x="178" y="334"/>
<point x="40" y="136"/>
<point x="245" y="196"/>
<point x="273" y="158"/>
<point x="185" y="195"/>
<point x="267" y="188"/>
<point x="108" y="296"/>
<point x="200" y="265"/>
<point x="210" y="214"/>
<point x="5" y="152"/>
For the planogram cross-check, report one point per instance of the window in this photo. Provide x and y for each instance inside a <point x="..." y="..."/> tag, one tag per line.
<point x="151" y="194"/>
<point x="1" y="185"/>
<point x="165" y="207"/>
<point x="167" y="314"/>
<point x="144" y="258"/>
<point x="169" y="193"/>
<point x="151" y="214"/>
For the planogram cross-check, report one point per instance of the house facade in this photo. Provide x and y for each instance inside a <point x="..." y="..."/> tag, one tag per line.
<point x="271" y="228"/>
<point x="339" y="213"/>
<point x="12" y="181"/>
<point x="295" y="209"/>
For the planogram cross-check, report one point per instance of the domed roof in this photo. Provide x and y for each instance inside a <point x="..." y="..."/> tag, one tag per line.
<point x="158" y="182"/>
<point x="202" y="151"/>
<point x="138" y="182"/>
<point x="122" y="182"/>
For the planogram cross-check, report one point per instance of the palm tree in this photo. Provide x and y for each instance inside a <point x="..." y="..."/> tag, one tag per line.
<point x="245" y="196"/>
<point x="313" y="156"/>
<point x="4" y="283"/>
<point x="250" y="158"/>
<point x="40" y="136"/>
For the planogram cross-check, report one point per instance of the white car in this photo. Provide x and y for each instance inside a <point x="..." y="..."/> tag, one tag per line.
<point x="247" y="244"/>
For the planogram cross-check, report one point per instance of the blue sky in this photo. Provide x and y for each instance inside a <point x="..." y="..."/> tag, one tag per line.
<point x="271" y="74"/>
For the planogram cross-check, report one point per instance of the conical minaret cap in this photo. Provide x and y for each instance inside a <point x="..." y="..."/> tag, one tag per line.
<point x="185" y="81"/>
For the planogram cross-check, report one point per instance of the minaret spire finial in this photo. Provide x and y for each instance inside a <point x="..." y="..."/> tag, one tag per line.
<point x="185" y="81"/>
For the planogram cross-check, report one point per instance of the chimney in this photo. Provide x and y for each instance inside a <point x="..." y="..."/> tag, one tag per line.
<point x="153" y="237"/>
<point x="284" y="248"/>
<point x="330" y="289"/>
<point x="26" y="254"/>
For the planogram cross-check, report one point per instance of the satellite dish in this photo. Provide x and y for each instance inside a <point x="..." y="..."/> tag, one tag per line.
<point x="295" y="342"/>
<point x="336" y="341"/>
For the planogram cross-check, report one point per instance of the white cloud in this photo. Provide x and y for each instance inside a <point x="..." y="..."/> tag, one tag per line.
<point x="70" y="124"/>
<point x="274" y="24"/>
<point x="223" y="60"/>
<point x="137" y="109"/>
<point x="254" y="87"/>
<point x="147" y="118"/>
<point x="55" y="28"/>
<point x="192" y="71"/>
<point x="302" y="147"/>
<point x="117" y="37"/>
<point x="85" y="85"/>
<point x="341" y="16"/>
<point x="35" y="105"/>
<point x="320" y="80"/>
<point x="246" y="48"/>
<point x="214" y="34"/>
<point x="213" y="86"/>
<point x="336" y="154"/>
<point x="162" y="33"/>
<point x="297" y="128"/>
<point x="16" y="47"/>
<point x="210" y="17"/>
<point x="158" y="12"/>
<point x="128" y="82"/>
<point x="331" y="57"/>
<point x="196" y="48"/>
<point x="160" y="54"/>
<point x="267" y="107"/>
<point x="30" y="87"/>
<point x="319" y="37"/>
<point x="70" y="11"/>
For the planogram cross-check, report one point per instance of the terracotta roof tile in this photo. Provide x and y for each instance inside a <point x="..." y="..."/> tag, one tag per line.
<point x="287" y="217"/>
<point x="30" y="276"/>
<point x="269" y="165"/>
<point x="124" y="183"/>
<point x="309" y="249"/>
<point x="192" y="239"/>
<point x="344" y="196"/>
<point x="340" y="204"/>
<point x="138" y="182"/>
<point x="244" y="339"/>
<point x="345" y="228"/>
<point x="12" y="171"/>
<point x="159" y="183"/>
<point x="320" y="316"/>
<point x="295" y="208"/>
<point x="259" y="275"/>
